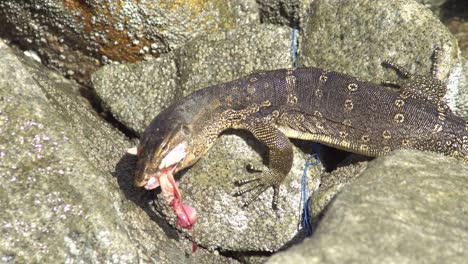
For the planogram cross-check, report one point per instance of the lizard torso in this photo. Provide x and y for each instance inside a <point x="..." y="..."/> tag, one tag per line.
<point x="310" y="104"/>
<point x="338" y="110"/>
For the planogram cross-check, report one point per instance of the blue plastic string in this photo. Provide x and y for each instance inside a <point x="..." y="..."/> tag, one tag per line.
<point x="293" y="46"/>
<point x="305" y="209"/>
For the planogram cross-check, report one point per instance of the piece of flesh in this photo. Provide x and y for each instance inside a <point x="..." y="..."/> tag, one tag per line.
<point x="186" y="215"/>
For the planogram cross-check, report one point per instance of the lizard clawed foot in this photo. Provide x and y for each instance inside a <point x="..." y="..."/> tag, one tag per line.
<point x="260" y="184"/>
<point x="421" y="86"/>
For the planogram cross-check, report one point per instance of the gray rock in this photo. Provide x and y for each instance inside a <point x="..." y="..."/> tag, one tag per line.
<point x="459" y="80"/>
<point x="289" y="12"/>
<point x="356" y="36"/>
<point x="331" y="184"/>
<point x="432" y="4"/>
<point x="408" y="207"/>
<point x="59" y="200"/>
<point x="76" y="36"/>
<point x="135" y="93"/>
<point x="224" y="56"/>
<point x="229" y="55"/>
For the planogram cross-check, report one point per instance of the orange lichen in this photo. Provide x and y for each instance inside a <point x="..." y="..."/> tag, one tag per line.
<point x="118" y="45"/>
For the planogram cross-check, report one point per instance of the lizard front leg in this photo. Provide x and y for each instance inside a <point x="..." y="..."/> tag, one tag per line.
<point x="280" y="161"/>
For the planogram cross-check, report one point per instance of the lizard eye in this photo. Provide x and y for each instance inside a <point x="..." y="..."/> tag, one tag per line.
<point x="186" y="130"/>
<point x="165" y="146"/>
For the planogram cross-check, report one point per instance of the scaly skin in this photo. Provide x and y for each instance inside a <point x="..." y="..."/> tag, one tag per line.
<point x="310" y="104"/>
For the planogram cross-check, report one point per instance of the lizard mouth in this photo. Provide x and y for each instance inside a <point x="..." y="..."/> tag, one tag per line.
<point x="155" y="182"/>
<point x="167" y="166"/>
<point x="186" y="215"/>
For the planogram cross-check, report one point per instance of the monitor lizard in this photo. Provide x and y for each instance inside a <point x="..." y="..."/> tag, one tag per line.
<point x="311" y="104"/>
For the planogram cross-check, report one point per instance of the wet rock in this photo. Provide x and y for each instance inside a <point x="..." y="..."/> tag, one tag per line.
<point x="135" y="93"/>
<point x="223" y="223"/>
<point x="407" y="207"/>
<point x="77" y="36"/>
<point x="67" y="192"/>
<point x="356" y="36"/>
<point x="224" y="56"/>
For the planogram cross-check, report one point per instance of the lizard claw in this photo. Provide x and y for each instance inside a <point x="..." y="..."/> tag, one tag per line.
<point x="247" y="180"/>
<point x="262" y="183"/>
<point x="255" y="195"/>
<point x="252" y="168"/>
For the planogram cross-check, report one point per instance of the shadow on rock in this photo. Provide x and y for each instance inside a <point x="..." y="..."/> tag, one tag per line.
<point x="141" y="197"/>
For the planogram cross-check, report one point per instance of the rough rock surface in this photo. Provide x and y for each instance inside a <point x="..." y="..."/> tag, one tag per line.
<point x="356" y="36"/>
<point x="63" y="204"/>
<point x="408" y="207"/>
<point x="223" y="223"/>
<point x="223" y="56"/>
<point x="59" y="200"/>
<point x="135" y="93"/>
<point x="283" y="12"/>
<point x="76" y="36"/>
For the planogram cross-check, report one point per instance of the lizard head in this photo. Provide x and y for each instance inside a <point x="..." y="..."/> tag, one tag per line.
<point x="172" y="142"/>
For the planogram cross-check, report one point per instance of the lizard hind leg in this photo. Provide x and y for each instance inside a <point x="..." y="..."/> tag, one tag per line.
<point x="422" y="86"/>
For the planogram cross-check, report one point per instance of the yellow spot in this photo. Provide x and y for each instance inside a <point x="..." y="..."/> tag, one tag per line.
<point x="343" y="134"/>
<point x="405" y="94"/>
<point x="352" y="87"/>
<point x="317" y="114"/>
<point x="228" y="99"/>
<point x="323" y="78"/>
<point x="386" y="149"/>
<point x="386" y="134"/>
<point x="441" y="116"/>
<point x="399" y="102"/>
<point x="442" y="107"/>
<point x="251" y="89"/>
<point x="399" y="118"/>
<point x="300" y="118"/>
<point x="349" y="105"/>
<point x="318" y="93"/>
<point x="347" y="122"/>
<point x="365" y="138"/>
<point x="292" y="99"/>
<point x="437" y="128"/>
